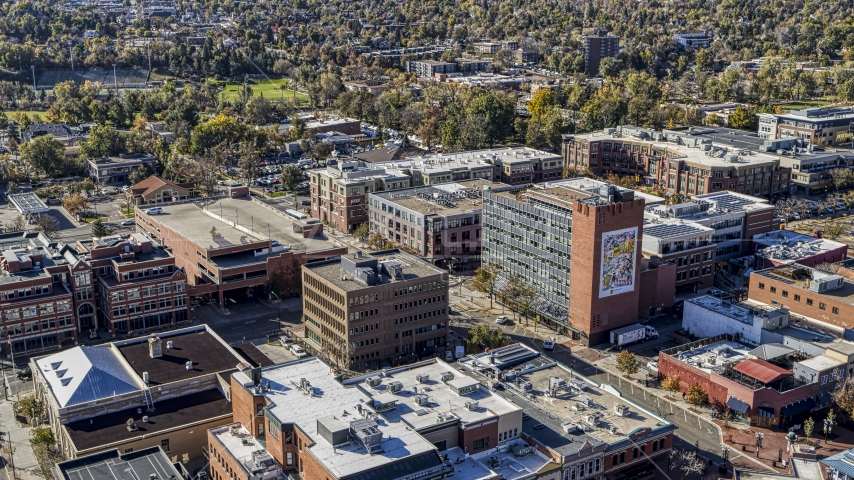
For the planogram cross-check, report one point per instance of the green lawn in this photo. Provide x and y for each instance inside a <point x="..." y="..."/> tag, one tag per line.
<point x="232" y="91"/>
<point x="30" y="113"/>
<point x="801" y="104"/>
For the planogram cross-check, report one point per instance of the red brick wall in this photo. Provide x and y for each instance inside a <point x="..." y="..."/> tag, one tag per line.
<point x="630" y="460"/>
<point x="223" y="465"/>
<point x="764" y="295"/>
<point x="488" y="428"/>
<point x="657" y="289"/>
<point x="593" y="315"/>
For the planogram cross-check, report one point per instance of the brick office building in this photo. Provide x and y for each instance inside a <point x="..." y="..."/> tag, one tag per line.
<point x="532" y="233"/>
<point x="596" y="47"/>
<point x="687" y="246"/>
<point x="677" y="163"/>
<point x="441" y="223"/>
<point x="237" y="246"/>
<point x="825" y="293"/>
<point x="393" y="305"/>
<point x="314" y="427"/>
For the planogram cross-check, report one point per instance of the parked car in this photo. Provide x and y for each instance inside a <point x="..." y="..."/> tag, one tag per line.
<point x="502" y="320"/>
<point x="104" y="191"/>
<point x="305" y="202"/>
<point x="298" y="351"/>
<point x="125" y="188"/>
<point x="652" y="366"/>
<point x="154" y="211"/>
<point x="24" y="374"/>
<point x="128" y="222"/>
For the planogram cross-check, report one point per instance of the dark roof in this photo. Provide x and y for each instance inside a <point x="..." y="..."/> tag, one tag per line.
<point x="251" y="354"/>
<point x="53" y="129"/>
<point x="548" y="431"/>
<point x="154" y="182"/>
<point x="184" y="410"/>
<point x="761" y="370"/>
<point x="208" y="354"/>
<point x="388" y="154"/>
<point x="112" y="465"/>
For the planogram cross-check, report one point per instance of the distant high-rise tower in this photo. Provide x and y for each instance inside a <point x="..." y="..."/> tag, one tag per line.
<point x="597" y="47"/>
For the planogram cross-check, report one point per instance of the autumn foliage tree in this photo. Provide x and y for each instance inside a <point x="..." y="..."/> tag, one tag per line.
<point x="627" y="363"/>
<point x="671" y="383"/>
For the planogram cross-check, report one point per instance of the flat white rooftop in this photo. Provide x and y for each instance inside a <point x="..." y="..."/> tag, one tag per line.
<point x="820" y="363"/>
<point x="723" y="307"/>
<point x="785" y="246"/>
<point x="290" y="404"/>
<point x="441" y="396"/>
<point x="724" y="351"/>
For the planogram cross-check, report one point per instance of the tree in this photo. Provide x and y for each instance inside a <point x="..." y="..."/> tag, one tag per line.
<point x="483" y="336"/>
<point x="835" y="229"/>
<point x="13" y="188"/>
<point x="627" y="363"/>
<point x="48" y="225"/>
<point x="291" y="176"/>
<point x="486" y="279"/>
<point x="104" y="141"/>
<point x="17" y="224"/>
<point x="248" y="165"/>
<point x="138" y="175"/>
<point x="259" y="111"/>
<point x="671" y="383"/>
<point x="809" y="426"/>
<point x="526" y="294"/>
<point x="697" y="396"/>
<point x="376" y="241"/>
<point x="76" y="204"/>
<point x="844" y="397"/>
<point x="842" y="177"/>
<point x="101" y="229"/>
<point x="743" y="119"/>
<point x="30" y="407"/>
<point x="363" y="232"/>
<point x="44" y="154"/>
<point x="42" y="436"/>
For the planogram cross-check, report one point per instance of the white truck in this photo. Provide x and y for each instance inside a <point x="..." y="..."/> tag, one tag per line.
<point x="631" y="334"/>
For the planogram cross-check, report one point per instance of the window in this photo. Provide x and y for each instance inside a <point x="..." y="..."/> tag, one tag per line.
<point x="164" y="444"/>
<point x="773" y="289"/>
<point x="289" y="459"/>
<point x="761" y="286"/>
<point x="481" y="444"/>
<point x="785" y="294"/>
<point x="809" y="301"/>
<point x="797" y="298"/>
<point x="821" y="305"/>
<point x="835" y="310"/>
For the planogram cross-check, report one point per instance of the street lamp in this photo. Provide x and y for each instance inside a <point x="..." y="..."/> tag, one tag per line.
<point x="725" y="452"/>
<point x="828" y="426"/>
<point x="278" y="310"/>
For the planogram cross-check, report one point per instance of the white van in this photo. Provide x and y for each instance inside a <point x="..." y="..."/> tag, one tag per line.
<point x="298" y="351"/>
<point x="154" y="211"/>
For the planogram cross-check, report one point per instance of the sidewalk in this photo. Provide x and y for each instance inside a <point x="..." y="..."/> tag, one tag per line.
<point x="26" y="465"/>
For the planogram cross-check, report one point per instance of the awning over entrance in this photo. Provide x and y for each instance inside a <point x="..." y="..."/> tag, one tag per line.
<point x="804" y="405"/>
<point x="737" y="405"/>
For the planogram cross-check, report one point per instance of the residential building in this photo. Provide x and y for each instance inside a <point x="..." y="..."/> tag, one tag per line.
<point x="161" y="390"/>
<point x="734" y="219"/>
<point x="826" y="126"/>
<point x="825" y="293"/>
<point x="469" y="65"/>
<point x="347" y="126"/>
<point x="440" y="223"/>
<point x="61" y="132"/>
<point x="390" y="153"/>
<point x="102" y="466"/>
<point x="339" y="193"/>
<point x="119" y="168"/>
<point x="771" y="385"/>
<point x="727" y="137"/>
<point x="695" y="41"/>
<point x="374" y="87"/>
<point x="784" y="247"/>
<point x="594" y="433"/>
<point x="596" y="47"/>
<point x="811" y="167"/>
<point x="430" y="68"/>
<point x="298" y="419"/>
<point x="526" y="55"/>
<point x="531" y="233"/>
<point x="486" y="47"/>
<point x="688" y="246"/>
<point x="677" y="164"/>
<point x="155" y="191"/>
<point x="237" y="246"/>
<point x="91" y="34"/>
<point x="392" y="305"/>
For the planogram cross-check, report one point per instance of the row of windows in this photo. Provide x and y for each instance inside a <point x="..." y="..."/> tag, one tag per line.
<point x="797" y="298"/>
<point x="399" y="292"/>
<point x="418" y="316"/>
<point x="419" y="302"/>
<point x="41" y="325"/>
<point x="31" y="311"/>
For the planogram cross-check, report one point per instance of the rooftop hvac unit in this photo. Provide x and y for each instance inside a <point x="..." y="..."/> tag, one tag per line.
<point x="527" y="386"/>
<point x="472" y="405"/>
<point x="395" y="387"/>
<point x="422" y="399"/>
<point x="374" y="381"/>
<point x="570" y="427"/>
<point x="621" y="410"/>
<point x="447" y="376"/>
<point x="422" y="378"/>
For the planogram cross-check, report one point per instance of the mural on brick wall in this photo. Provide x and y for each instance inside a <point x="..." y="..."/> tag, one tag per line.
<point x="618" y="262"/>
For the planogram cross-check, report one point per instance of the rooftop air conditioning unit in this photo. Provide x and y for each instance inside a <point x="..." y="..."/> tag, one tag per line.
<point x="395" y="387"/>
<point x="422" y="399"/>
<point x="422" y="378"/>
<point x="374" y="381"/>
<point x="472" y="405"/>
<point x="447" y="376"/>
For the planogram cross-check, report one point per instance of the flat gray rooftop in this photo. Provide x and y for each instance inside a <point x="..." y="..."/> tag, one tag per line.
<point x="413" y="269"/>
<point x="289" y="404"/>
<point x="441" y="397"/>
<point x="257" y="223"/>
<point x="111" y="465"/>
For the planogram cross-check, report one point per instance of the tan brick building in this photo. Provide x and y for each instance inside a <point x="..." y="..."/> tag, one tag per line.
<point x="376" y="309"/>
